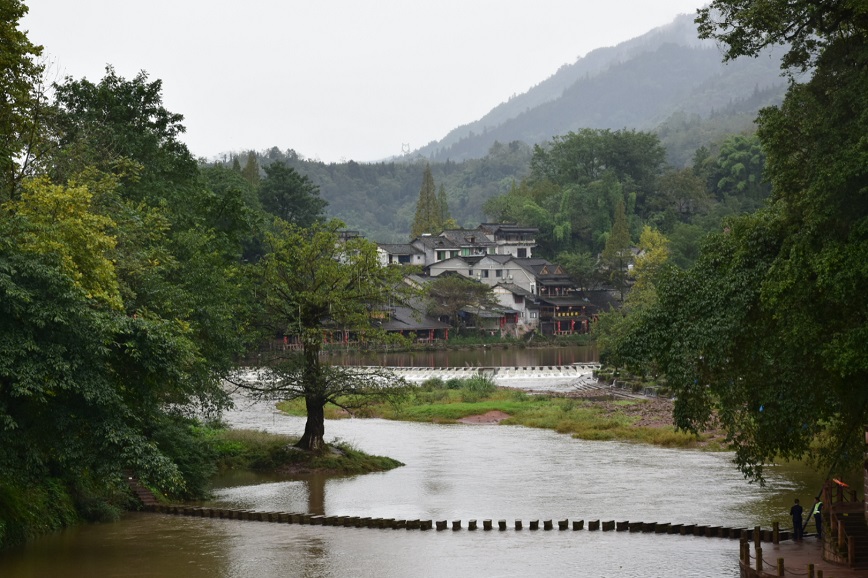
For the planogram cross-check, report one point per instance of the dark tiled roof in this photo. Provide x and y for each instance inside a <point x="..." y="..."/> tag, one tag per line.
<point x="435" y="242"/>
<point x="399" y="249"/>
<point x="407" y="319"/>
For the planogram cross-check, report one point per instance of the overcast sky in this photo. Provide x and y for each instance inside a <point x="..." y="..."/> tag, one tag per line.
<point x="334" y="80"/>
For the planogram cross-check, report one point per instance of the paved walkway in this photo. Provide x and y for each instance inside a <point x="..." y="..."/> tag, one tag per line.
<point x="797" y="556"/>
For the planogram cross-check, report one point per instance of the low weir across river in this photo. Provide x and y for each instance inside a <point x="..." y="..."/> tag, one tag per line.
<point x="563" y="378"/>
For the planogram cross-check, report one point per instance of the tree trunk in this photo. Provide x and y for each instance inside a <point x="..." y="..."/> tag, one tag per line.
<point x="314" y="427"/>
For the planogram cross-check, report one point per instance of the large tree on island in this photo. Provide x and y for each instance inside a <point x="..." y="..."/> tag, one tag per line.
<point x="768" y="332"/>
<point x="316" y="285"/>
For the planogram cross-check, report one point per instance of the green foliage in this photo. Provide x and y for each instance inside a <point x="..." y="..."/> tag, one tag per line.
<point x="617" y="253"/>
<point x="23" y="102"/>
<point x="766" y="332"/>
<point x="183" y="441"/>
<point x="291" y="196"/>
<point x="448" y="295"/>
<point x="429" y="208"/>
<point x="314" y="282"/>
<point x="807" y="30"/>
<point x="257" y="450"/>
<point x="28" y="510"/>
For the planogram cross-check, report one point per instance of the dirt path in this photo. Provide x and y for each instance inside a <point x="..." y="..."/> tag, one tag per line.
<point x="485" y="418"/>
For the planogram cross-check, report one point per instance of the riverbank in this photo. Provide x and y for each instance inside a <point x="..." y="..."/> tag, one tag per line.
<point x="590" y="415"/>
<point x="242" y="449"/>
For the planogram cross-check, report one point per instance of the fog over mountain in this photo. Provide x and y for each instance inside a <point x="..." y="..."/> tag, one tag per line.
<point x="638" y="84"/>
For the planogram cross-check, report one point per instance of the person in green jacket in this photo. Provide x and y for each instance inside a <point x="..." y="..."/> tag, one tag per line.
<point x="818" y="516"/>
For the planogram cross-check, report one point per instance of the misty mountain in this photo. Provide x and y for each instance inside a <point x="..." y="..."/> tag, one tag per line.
<point x="666" y="74"/>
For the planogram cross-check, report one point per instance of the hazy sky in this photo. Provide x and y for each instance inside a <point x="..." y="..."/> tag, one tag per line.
<point x="334" y="80"/>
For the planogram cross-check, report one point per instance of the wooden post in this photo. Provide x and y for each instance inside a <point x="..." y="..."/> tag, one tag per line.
<point x="593" y="525"/>
<point x="518" y="524"/>
<point x="759" y="559"/>
<point x="547" y="525"/>
<point x="486" y="524"/>
<point x="578" y="524"/>
<point x="456" y="525"/>
<point x="441" y="525"/>
<point x="471" y="524"/>
<point x="776" y="534"/>
<point x="501" y="525"/>
<point x="563" y="524"/>
<point x="534" y="524"/>
<point x="757" y="536"/>
<point x="810" y="571"/>
<point x="780" y="566"/>
<point x="851" y="550"/>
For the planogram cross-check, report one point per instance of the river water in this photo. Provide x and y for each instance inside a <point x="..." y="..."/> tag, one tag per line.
<point x="452" y="472"/>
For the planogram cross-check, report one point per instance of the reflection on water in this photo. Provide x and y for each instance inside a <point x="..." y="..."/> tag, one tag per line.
<point x="452" y="472"/>
<point x="483" y="357"/>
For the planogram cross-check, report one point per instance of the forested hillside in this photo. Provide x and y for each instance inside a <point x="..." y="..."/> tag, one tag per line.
<point x="379" y="199"/>
<point x="667" y="82"/>
<point x="637" y="84"/>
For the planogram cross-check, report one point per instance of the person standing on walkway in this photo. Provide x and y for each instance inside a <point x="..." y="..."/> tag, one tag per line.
<point x="818" y="516"/>
<point x="796" y="513"/>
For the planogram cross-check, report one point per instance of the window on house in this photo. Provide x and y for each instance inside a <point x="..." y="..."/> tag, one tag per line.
<point x="522" y="253"/>
<point x="441" y="255"/>
<point x="470" y="272"/>
<point x="485" y="274"/>
<point x="533" y="314"/>
<point x="498" y="273"/>
<point x="518" y="299"/>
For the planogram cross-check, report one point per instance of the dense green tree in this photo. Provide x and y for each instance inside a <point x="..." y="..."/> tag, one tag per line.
<point x="293" y="197"/>
<point x="581" y="267"/>
<point x="315" y="284"/>
<point x="117" y="124"/>
<point x="23" y="103"/>
<point x="251" y="170"/>
<point x="617" y="254"/>
<point x="767" y="331"/>
<point x="429" y="209"/>
<point x="738" y="171"/>
<point x="80" y="380"/>
<point x="635" y="158"/>
<point x="617" y="325"/>
<point x="448" y="295"/>
<point x="444" y="205"/>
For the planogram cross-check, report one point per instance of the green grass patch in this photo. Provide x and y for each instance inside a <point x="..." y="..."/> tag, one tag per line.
<point x="262" y="451"/>
<point x="447" y="402"/>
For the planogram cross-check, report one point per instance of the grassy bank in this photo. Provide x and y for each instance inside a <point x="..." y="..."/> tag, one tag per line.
<point x="645" y="421"/>
<point x="261" y="451"/>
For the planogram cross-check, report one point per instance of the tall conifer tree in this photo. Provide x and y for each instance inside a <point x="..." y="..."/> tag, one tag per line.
<point x="428" y="217"/>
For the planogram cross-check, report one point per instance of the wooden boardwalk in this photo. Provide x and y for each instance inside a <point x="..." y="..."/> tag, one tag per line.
<point x="797" y="556"/>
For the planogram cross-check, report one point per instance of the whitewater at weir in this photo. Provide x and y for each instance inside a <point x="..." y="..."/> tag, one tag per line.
<point x="553" y="378"/>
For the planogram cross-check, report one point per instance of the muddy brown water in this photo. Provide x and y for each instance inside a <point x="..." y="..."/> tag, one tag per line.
<point x="452" y="472"/>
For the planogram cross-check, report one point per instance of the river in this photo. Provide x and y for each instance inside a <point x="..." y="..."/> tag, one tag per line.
<point x="452" y="472"/>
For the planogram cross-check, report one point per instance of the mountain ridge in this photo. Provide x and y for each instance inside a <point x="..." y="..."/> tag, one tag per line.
<point x="590" y="92"/>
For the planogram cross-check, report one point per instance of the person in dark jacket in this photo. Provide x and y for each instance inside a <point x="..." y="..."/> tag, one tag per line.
<point x="796" y="513"/>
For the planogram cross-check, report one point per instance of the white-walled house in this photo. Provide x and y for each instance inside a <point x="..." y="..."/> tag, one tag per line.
<point x="400" y="254"/>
